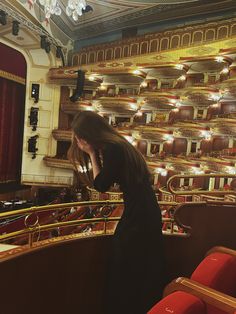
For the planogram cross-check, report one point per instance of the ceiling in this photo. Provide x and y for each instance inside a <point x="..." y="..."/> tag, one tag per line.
<point x="112" y="15"/>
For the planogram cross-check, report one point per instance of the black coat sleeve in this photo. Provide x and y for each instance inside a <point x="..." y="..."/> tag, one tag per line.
<point x="110" y="171"/>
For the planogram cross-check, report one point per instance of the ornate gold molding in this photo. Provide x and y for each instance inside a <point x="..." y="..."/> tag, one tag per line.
<point x="12" y="77"/>
<point x="179" y="38"/>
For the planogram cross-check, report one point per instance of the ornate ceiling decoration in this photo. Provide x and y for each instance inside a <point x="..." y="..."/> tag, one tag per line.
<point x="111" y="15"/>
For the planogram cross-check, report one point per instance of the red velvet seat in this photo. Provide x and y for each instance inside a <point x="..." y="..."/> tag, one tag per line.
<point x="217" y="271"/>
<point x="179" y="302"/>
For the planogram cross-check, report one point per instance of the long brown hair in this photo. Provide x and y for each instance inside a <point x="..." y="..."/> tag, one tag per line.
<point x="94" y="129"/>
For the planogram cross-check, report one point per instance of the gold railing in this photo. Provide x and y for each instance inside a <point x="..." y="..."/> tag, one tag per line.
<point x="196" y="191"/>
<point x="31" y="229"/>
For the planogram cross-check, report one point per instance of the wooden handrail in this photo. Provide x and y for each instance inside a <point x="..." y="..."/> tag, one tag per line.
<point x="34" y="209"/>
<point x="36" y="227"/>
<point x="208" y="295"/>
<point x="222" y="249"/>
<point x="202" y="192"/>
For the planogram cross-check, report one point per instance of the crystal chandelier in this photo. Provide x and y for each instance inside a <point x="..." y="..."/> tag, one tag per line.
<point x="50" y="7"/>
<point x="74" y="8"/>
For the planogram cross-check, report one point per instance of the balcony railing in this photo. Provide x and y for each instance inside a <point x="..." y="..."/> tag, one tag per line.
<point x="104" y="219"/>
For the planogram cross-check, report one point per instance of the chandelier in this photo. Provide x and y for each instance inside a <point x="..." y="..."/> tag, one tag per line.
<point x="74" y="8"/>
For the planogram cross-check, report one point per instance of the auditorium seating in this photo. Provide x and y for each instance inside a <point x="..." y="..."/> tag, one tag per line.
<point x="185" y="296"/>
<point x="210" y="290"/>
<point x="218" y="270"/>
<point x="179" y="302"/>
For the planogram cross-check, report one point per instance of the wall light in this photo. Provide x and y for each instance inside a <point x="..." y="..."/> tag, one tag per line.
<point x="3" y="17"/>
<point x="15" y="28"/>
<point x="219" y="59"/>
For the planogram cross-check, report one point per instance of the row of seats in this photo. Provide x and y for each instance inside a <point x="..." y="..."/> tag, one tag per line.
<point x="211" y="288"/>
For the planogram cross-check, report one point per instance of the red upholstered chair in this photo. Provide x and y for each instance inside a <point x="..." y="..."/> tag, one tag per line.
<point x="211" y="289"/>
<point x="217" y="271"/>
<point x="216" y="302"/>
<point x="179" y="302"/>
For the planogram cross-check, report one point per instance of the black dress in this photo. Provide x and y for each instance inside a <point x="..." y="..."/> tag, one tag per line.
<point x="135" y="273"/>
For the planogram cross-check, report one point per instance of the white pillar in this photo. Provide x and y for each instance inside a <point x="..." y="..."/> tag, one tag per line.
<point x="211" y="184"/>
<point x="71" y="89"/>
<point x="231" y="142"/>
<point x="161" y="148"/>
<point x="195" y="110"/>
<point x="149" y="117"/>
<point x="222" y="181"/>
<point x="149" y="149"/>
<point x="198" y="145"/>
<point x="204" y="113"/>
<point x="110" y="119"/>
<point x="155" y="178"/>
<point x="189" y="143"/>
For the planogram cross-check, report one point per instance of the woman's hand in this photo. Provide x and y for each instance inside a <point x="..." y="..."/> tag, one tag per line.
<point x="85" y="146"/>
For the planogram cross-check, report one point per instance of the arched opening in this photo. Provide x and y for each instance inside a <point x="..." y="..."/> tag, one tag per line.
<point x="12" y="108"/>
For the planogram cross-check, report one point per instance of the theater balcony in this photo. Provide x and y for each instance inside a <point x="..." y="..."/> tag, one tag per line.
<point x="72" y="244"/>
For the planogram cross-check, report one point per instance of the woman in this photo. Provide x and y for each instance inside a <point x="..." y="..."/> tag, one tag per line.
<point x="135" y="276"/>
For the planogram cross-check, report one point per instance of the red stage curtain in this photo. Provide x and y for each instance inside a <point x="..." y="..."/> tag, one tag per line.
<point x="12" y="104"/>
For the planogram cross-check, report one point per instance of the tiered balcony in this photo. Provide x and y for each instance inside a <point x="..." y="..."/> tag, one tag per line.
<point x="177" y="114"/>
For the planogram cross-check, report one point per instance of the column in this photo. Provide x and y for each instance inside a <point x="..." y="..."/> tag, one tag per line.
<point x="205" y="80"/>
<point x="161" y="148"/>
<point x="149" y="149"/>
<point x="189" y="143"/>
<point x="211" y="184"/>
<point x="204" y="113"/>
<point x="231" y="142"/>
<point x="195" y="110"/>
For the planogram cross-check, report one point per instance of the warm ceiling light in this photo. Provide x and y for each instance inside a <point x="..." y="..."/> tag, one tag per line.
<point x="102" y="87"/>
<point x="225" y="71"/>
<point x="136" y="72"/>
<point x="215" y="97"/>
<point x="219" y="59"/>
<point x="206" y="134"/>
<point x="175" y="110"/>
<point x="182" y="78"/>
<point x="169" y="138"/>
<point x="179" y="66"/>
<point x="139" y="113"/>
<point x="92" y="78"/>
<point x="178" y="104"/>
<point x="161" y="171"/>
<point x="144" y="84"/>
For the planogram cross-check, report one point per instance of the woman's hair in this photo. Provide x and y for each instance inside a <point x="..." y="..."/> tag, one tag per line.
<point x="95" y="130"/>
